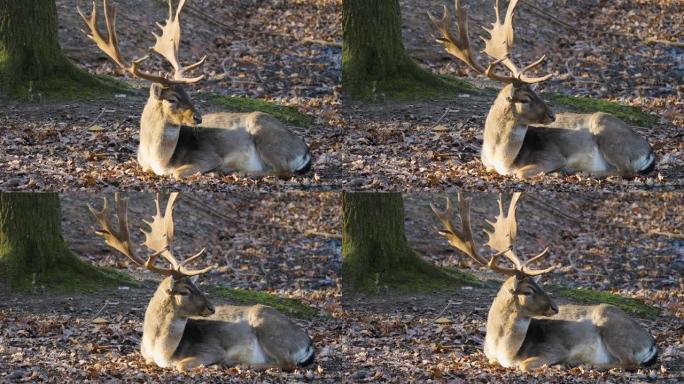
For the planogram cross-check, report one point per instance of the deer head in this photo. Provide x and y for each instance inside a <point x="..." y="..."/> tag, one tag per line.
<point x="166" y="90"/>
<point x="526" y="105"/>
<point x="521" y="284"/>
<point x="179" y="283"/>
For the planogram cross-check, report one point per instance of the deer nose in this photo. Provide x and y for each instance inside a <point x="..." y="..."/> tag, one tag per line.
<point x="554" y="308"/>
<point x="197" y="118"/>
<point x="210" y="309"/>
<point x="550" y="116"/>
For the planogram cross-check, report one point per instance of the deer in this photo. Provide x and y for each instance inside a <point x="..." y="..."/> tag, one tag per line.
<point x="525" y="328"/>
<point x="523" y="137"/>
<point x="175" y="139"/>
<point x="182" y="328"/>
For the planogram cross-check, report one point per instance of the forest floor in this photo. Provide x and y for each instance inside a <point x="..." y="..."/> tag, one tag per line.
<point x="286" y="245"/>
<point x="435" y="144"/>
<point x="630" y="245"/>
<point x="284" y="53"/>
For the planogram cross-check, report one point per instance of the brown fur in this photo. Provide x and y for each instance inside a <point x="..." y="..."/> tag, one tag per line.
<point x="525" y="329"/>
<point x="523" y="137"/>
<point x="183" y="329"/>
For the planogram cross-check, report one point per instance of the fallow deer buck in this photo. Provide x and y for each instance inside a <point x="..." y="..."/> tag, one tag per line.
<point x="175" y="139"/>
<point x="182" y="328"/>
<point x="525" y="328"/>
<point x="522" y="135"/>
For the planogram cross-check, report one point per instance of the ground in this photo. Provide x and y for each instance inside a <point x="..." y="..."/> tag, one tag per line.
<point x="435" y="144"/>
<point x="629" y="245"/>
<point x="286" y="245"/>
<point x="285" y="53"/>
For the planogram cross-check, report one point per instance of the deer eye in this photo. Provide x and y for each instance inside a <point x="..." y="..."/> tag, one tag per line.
<point x="525" y="100"/>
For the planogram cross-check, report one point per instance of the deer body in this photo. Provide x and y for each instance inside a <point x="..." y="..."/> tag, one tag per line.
<point x="252" y="143"/>
<point x="173" y="140"/>
<point x="530" y="332"/>
<point x="182" y="328"/>
<point x="175" y="335"/>
<point x="525" y="328"/>
<point x="523" y="137"/>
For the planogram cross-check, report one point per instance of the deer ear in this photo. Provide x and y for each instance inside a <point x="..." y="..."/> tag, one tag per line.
<point x="156" y="91"/>
<point x="194" y="279"/>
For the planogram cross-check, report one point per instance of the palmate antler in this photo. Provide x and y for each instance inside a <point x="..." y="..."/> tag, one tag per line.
<point x="157" y="239"/>
<point x="502" y="238"/>
<point x="166" y="45"/>
<point x="497" y="47"/>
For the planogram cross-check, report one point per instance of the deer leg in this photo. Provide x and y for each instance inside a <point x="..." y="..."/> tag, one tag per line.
<point x="190" y="169"/>
<point x="192" y="362"/>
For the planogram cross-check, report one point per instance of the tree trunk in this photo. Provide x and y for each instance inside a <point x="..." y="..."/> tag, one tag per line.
<point x="373" y="55"/>
<point x="31" y="60"/>
<point x="375" y="252"/>
<point x="32" y="248"/>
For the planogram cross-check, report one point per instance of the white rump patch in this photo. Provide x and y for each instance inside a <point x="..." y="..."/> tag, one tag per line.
<point x="300" y="162"/>
<point x="643" y="162"/>
<point x="645" y="354"/>
<point x="303" y="354"/>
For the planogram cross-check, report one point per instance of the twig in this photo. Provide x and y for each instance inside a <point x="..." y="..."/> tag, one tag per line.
<point x="97" y="118"/>
<point x="447" y="110"/>
<point x="443" y="310"/>
<point x="100" y="311"/>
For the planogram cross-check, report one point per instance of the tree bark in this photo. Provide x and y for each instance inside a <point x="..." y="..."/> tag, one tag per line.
<point x="375" y="251"/>
<point x="373" y="55"/>
<point x="31" y="60"/>
<point x="32" y="248"/>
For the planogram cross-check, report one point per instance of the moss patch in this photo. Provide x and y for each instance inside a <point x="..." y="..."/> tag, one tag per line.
<point x="420" y="277"/>
<point x="72" y="84"/>
<point x="409" y="89"/>
<point x="630" y="114"/>
<point x="71" y="275"/>
<point x="283" y="113"/>
<point x="243" y="297"/>
<point x="588" y="296"/>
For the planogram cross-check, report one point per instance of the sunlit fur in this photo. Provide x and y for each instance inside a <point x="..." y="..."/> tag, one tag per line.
<point x="526" y="330"/>
<point x="182" y="329"/>
<point x="523" y="137"/>
<point x="175" y="140"/>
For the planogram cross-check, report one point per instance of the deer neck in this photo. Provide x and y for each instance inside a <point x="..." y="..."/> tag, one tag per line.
<point x="158" y="138"/>
<point x="503" y="134"/>
<point x="163" y="327"/>
<point x="506" y="327"/>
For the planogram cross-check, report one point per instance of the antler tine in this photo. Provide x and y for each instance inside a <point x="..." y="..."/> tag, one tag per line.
<point x="463" y="240"/>
<point x="120" y="240"/>
<point x="504" y="231"/>
<point x="168" y="43"/>
<point x="110" y="46"/>
<point x="499" y="44"/>
<point x="460" y="48"/>
<point x="161" y="234"/>
<point x="535" y="272"/>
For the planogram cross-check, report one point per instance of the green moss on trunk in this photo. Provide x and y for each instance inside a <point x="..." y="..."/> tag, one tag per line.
<point x="32" y="65"/>
<point x="284" y="305"/>
<point x="33" y="252"/>
<point x="376" y="254"/>
<point x="374" y="62"/>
